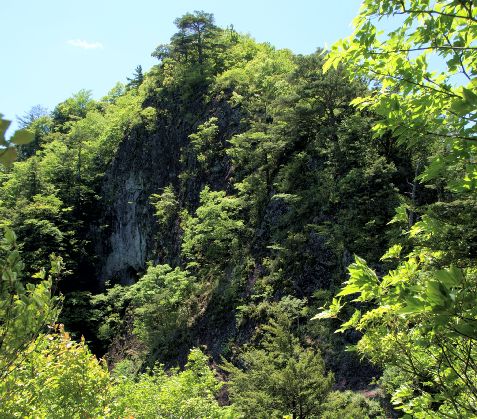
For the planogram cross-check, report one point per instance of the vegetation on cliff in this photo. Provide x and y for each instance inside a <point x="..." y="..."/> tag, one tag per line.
<point x="212" y="221"/>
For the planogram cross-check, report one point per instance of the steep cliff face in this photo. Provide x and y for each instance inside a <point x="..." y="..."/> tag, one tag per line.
<point x="284" y="207"/>
<point x="145" y="163"/>
<point x="128" y="242"/>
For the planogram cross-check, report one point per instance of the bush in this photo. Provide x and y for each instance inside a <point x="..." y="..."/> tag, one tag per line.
<point x="59" y="378"/>
<point x="351" y="405"/>
<point x="162" y="303"/>
<point x="186" y="394"/>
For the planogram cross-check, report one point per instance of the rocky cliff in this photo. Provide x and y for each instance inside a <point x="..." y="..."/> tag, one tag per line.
<point x="144" y="164"/>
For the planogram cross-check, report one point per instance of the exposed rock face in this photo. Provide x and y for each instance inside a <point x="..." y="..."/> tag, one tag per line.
<point x="144" y="164"/>
<point x="128" y="241"/>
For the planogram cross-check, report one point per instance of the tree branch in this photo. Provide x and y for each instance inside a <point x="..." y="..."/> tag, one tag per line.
<point x="435" y="12"/>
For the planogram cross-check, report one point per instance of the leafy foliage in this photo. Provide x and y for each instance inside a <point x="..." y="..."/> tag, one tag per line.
<point x="58" y="378"/>
<point x="163" y="301"/>
<point x="280" y="378"/>
<point x="167" y="213"/>
<point x="434" y="102"/>
<point x="262" y="180"/>
<point x="25" y="309"/>
<point x="189" y="393"/>
<point x="215" y="231"/>
<point x="347" y="404"/>
<point x="421" y="321"/>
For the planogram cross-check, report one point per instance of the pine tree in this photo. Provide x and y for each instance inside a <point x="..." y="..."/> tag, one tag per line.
<point x="280" y="378"/>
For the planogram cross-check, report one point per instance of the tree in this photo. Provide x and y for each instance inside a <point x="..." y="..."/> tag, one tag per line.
<point x="419" y="320"/>
<point x="41" y="228"/>
<point x="280" y="378"/>
<point x="167" y="213"/>
<point x="195" y="31"/>
<point x="25" y="309"/>
<point x="163" y="304"/>
<point x="213" y="234"/>
<point x="186" y="394"/>
<point x="71" y="110"/>
<point x="162" y="51"/>
<point x="36" y="112"/>
<point x="58" y="378"/>
<point x="351" y="405"/>
<point x="197" y="45"/>
<point x="38" y="121"/>
<point x="137" y="78"/>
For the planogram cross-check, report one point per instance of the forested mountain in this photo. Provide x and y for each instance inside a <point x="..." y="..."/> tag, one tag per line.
<point x="208" y="226"/>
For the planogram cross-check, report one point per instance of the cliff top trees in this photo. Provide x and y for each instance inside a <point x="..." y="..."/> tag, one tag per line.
<point x="195" y="30"/>
<point x="193" y="41"/>
<point x="195" y="53"/>
<point x="137" y="78"/>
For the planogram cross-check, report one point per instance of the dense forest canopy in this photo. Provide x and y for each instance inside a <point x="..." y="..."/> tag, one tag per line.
<point x="245" y="232"/>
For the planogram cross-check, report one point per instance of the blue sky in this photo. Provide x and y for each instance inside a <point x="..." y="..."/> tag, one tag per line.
<point x="53" y="48"/>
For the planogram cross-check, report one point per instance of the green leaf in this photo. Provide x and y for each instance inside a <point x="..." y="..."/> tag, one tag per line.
<point x="331" y="312"/>
<point x="349" y="289"/>
<point x="10" y="236"/>
<point x="450" y="278"/>
<point x="22" y="137"/>
<point x="4" y="124"/>
<point x="413" y="305"/>
<point x="433" y="170"/>
<point x="436" y="294"/>
<point x="467" y="329"/>
<point x="401" y="214"/>
<point x="461" y="107"/>
<point x="469" y="96"/>
<point x="393" y="253"/>
<point x="8" y="156"/>
<point x="351" y="323"/>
